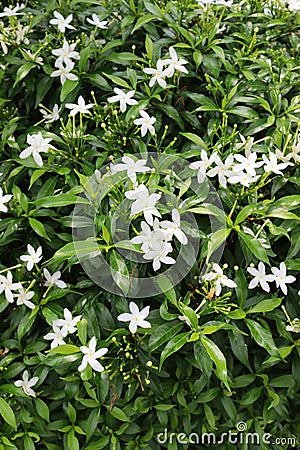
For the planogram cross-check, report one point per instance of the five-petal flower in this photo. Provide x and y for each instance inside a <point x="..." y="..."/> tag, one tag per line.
<point x="136" y="318"/>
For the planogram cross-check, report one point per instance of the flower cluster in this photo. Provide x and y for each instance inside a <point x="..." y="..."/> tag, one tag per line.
<point x="218" y="279"/>
<point x="62" y="327"/>
<point x="278" y="275"/>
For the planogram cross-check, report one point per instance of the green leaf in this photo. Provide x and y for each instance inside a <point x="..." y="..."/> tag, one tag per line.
<point x="262" y="337"/>
<point x="7" y="413"/>
<point x="119" y="271"/>
<point x="196" y="139"/>
<point x="82" y="330"/>
<point x="117" y="80"/>
<point x="67" y="87"/>
<point x="171" y="112"/>
<point x="167" y="288"/>
<point x="173" y="346"/>
<point x="265" y="305"/>
<point x="60" y="200"/>
<point x="254" y="246"/>
<point x="119" y="414"/>
<point x="163" y="333"/>
<point x="42" y="409"/>
<point x="84" y="56"/>
<point x="216" y="240"/>
<point x="39" y="228"/>
<point x="218" y="358"/>
<point x="23" y="71"/>
<point x="142" y="21"/>
<point x="65" y="349"/>
<point x="149" y="47"/>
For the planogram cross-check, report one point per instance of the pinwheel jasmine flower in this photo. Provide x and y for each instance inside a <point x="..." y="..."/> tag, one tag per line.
<point x="143" y="202"/>
<point x="222" y="170"/>
<point x="132" y="167"/>
<point x="260" y="277"/>
<point x="62" y="22"/>
<point x="57" y="336"/>
<point x="37" y="145"/>
<point x="68" y="324"/>
<point x="9" y="12"/>
<point x="147" y="123"/>
<point x="4" y="199"/>
<point x="294" y="5"/>
<point x="34" y="256"/>
<point x="80" y="107"/>
<point x="7" y="286"/>
<point x="219" y="279"/>
<point x="54" y="280"/>
<point x="50" y="116"/>
<point x="124" y="98"/>
<point x="281" y="278"/>
<point x="271" y="164"/>
<point x="203" y="165"/>
<point x="159" y="74"/>
<point x="64" y="72"/>
<point x="91" y="355"/>
<point x="174" y="63"/>
<point x="33" y="57"/>
<point x="96" y="22"/>
<point x="173" y="228"/>
<point x="23" y="298"/>
<point x="243" y="178"/>
<point x="247" y="163"/>
<point x="136" y="318"/>
<point x="248" y="143"/>
<point x="27" y="384"/>
<point x="158" y="254"/>
<point x="65" y="53"/>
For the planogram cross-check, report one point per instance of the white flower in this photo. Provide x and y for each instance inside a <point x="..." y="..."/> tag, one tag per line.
<point x="147" y="123"/>
<point x="222" y="170"/>
<point x="159" y="253"/>
<point x="27" y="384"/>
<point x="50" y="116"/>
<point x="64" y="72"/>
<point x="148" y="238"/>
<point x="54" y="280"/>
<point x="37" y="145"/>
<point x="294" y="327"/>
<point x="132" y="167"/>
<point x="91" y="355"/>
<point x="203" y="165"/>
<point x="96" y="21"/>
<point x="33" y="57"/>
<point x="4" y="199"/>
<point x="260" y="277"/>
<point x="280" y="277"/>
<point x="79" y="107"/>
<point x="173" y="228"/>
<point x="295" y="152"/>
<point x="294" y="5"/>
<point x="9" y="12"/>
<point x="271" y="164"/>
<point x="143" y="203"/>
<point x="24" y="297"/>
<point x="62" y="22"/>
<point x="219" y="279"/>
<point x="68" y="324"/>
<point x="123" y="98"/>
<point x="136" y="318"/>
<point x="57" y="337"/>
<point x="243" y="178"/>
<point x="7" y="285"/>
<point x="65" y="53"/>
<point x="159" y="74"/>
<point x="34" y="256"/>
<point x="247" y="163"/>
<point x="174" y="63"/>
<point x="247" y="143"/>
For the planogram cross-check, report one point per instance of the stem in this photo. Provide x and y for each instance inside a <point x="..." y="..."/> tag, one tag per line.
<point x="10" y="268"/>
<point x="233" y="208"/>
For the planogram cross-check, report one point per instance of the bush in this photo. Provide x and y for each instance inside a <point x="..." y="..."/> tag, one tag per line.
<point x="149" y="225"/>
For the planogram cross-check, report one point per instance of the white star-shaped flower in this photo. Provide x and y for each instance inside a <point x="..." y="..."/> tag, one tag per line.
<point x="57" y="336"/>
<point x="23" y="298"/>
<point x="54" y="280"/>
<point x="7" y="286"/>
<point x="68" y="324"/>
<point x="174" y="63"/>
<point x="91" y="355"/>
<point x="219" y="278"/>
<point x="203" y="165"/>
<point x="65" y="53"/>
<point x="96" y="22"/>
<point x="62" y="22"/>
<point x="159" y="74"/>
<point x="64" y="72"/>
<point x="147" y="123"/>
<point x="34" y="256"/>
<point x="136" y="318"/>
<point x="124" y="98"/>
<point x="27" y="384"/>
<point x="260" y="277"/>
<point x="222" y="170"/>
<point x="37" y="144"/>
<point x="79" y="107"/>
<point x="281" y="278"/>
<point x="271" y="164"/>
<point x="143" y="202"/>
<point x="131" y="166"/>
<point x="4" y="199"/>
<point x="173" y="228"/>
